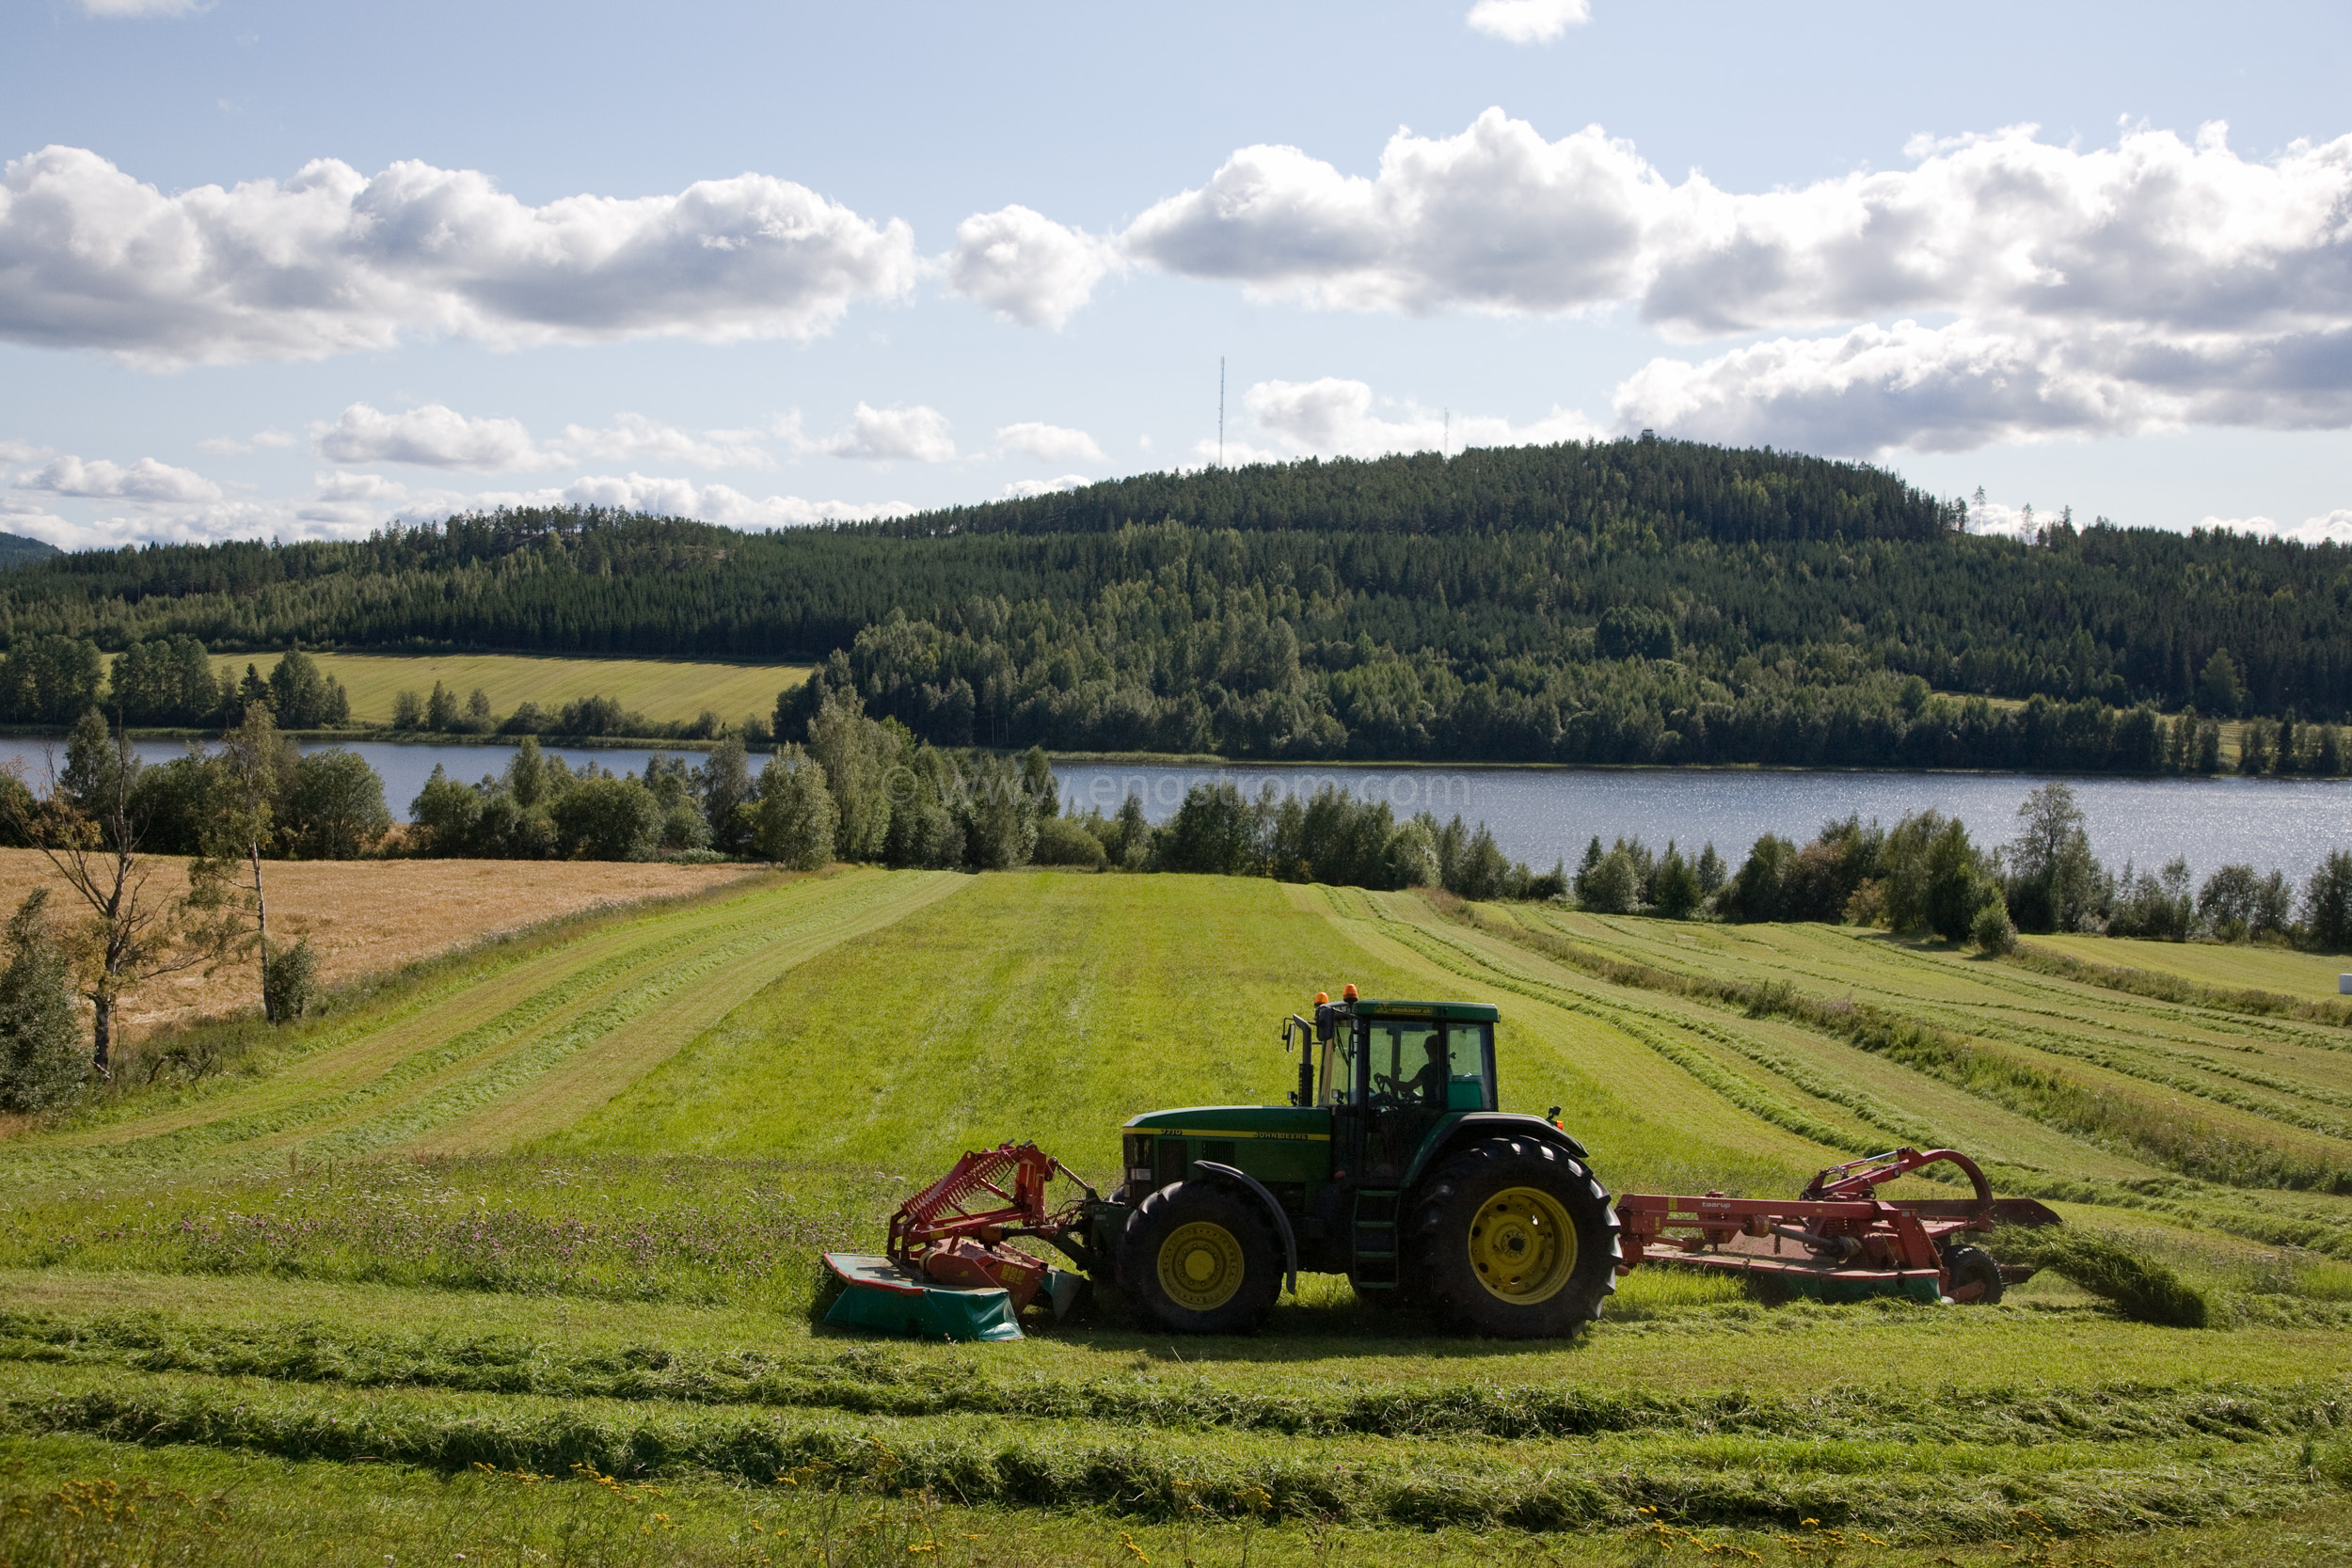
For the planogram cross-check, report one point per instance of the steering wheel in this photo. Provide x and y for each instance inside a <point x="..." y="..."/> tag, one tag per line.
<point x="1388" y="1093"/>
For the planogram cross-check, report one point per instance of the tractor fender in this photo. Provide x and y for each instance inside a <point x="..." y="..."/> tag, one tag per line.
<point x="1471" y="1126"/>
<point x="1274" y="1211"/>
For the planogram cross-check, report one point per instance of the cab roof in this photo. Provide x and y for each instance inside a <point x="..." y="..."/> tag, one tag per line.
<point x="1456" y="1013"/>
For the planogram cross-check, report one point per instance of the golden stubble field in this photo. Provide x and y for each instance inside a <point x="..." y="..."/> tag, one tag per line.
<point x="366" y="916"/>
<point x="664" y="691"/>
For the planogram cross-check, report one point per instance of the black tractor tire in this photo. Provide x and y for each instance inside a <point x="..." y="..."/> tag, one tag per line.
<point x="1514" y="1238"/>
<point x="1973" y="1265"/>
<point x="1198" y="1257"/>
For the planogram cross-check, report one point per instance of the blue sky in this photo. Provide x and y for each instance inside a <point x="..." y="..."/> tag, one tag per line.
<point x="295" y="270"/>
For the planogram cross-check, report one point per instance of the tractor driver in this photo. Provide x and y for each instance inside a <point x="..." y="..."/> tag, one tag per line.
<point x="1429" y="1083"/>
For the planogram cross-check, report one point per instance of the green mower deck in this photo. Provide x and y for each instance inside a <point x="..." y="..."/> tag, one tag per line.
<point x="876" y="1293"/>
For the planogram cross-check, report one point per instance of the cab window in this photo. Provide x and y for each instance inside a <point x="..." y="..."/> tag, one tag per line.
<point x="1409" y="1065"/>
<point x="1469" y="1067"/>
<point x="1338" y="1084"/>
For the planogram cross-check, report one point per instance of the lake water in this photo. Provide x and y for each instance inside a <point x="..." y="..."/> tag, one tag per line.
<point x="404" y="768"/>
<point x="1542" y="815"/>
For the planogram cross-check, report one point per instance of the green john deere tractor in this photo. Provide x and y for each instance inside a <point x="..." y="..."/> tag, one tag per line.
<point x="1390" y="1165"/>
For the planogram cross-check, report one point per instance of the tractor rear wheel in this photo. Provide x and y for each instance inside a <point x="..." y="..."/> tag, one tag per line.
<point x="1198" y="1259"/>
<point x="1514" y="1238"/>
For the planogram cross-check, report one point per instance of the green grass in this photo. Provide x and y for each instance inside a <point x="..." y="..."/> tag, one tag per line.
<point x="667" y="692"/>
<point x="2241" y="966"/>
<point x="558" y="1208"/>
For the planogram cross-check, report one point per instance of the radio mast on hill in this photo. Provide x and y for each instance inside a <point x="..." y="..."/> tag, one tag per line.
<point x="1220" y="411"/>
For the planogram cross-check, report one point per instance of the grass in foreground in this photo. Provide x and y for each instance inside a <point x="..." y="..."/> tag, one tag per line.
<point x="335" y="1345"/>
<point x="72" y="1500"/>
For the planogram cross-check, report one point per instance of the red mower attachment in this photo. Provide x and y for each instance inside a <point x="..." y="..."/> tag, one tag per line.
<point x="1838" y="1241"/>
<point x="956" y="1230"/>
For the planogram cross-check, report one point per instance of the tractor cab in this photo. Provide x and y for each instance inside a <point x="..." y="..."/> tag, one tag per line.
<point x="1390" y="1073"/>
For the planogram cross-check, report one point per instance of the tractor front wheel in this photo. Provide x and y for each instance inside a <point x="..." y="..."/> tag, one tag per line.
<point x="1198" y="1259"/>
<point x="1514" y="1238"/>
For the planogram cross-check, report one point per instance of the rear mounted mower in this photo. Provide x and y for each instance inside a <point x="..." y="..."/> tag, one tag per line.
<point x="1393" y="1166"/>
<point x="1839" y="1241"/>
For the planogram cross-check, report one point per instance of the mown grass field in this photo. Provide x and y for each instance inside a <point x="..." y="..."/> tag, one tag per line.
<point x="2280" y="969"/>
<point x="518" y="1261"/>
<point x="666" y="692"/>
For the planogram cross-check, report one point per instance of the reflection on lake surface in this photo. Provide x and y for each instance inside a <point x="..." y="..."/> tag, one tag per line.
<point x="1542" y="815"/>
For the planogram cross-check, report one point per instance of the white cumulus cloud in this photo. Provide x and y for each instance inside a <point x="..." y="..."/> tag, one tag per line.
<point x="146" y="481"/>
<point x="346" y="504"/>
<point x="333" y="259"/>
<point x="231" y="446"/>
<point x="1969" y="383"/>
<point x="712" y="503"/>
<point x="634" y="438"/>
<point x="917" y="435"/>
<point x="2155" y="231"/>
<point x="1495" y="218"/>
<point x="433" y="436"/>
<point x="1050" y="443"/>
<point x="1338" y="417"/>
<point x="1026" y="268"/>
<point x="2333" y="528"/>
<point x="1528" y="21"/>
<point x="437" y="436"/>
<point x="2097" y="291"/>
<point x="1022" y="489"/>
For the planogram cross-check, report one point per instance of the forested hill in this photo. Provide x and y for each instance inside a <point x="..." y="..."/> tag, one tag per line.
<point x="15" y="549"/>
<point x="1627" y="601"/>
<point x="1674" y="489"/>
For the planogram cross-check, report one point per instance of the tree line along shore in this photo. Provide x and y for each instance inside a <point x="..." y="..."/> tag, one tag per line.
<point x="171" y="685"/>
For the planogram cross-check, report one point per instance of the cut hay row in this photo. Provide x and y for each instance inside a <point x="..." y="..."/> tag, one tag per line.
<point x="2102" y="1410"/>
<point x="2121" y="1470"/>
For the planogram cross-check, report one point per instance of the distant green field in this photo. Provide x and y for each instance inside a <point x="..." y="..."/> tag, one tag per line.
<point x="560" y="1209"/>
<point x="662" y="690"/>
<point x="2240" y="966"/>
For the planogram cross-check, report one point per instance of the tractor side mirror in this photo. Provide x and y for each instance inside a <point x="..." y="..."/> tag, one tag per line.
<point x="1325" y="1024"/>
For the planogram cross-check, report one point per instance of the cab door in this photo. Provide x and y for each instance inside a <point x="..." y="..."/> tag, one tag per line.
<point x="1407" y="1074"/>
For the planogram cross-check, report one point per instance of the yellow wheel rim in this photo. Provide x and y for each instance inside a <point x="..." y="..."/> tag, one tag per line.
<point x="1201" y="1265"/>
<point x="1522" y="1245"/>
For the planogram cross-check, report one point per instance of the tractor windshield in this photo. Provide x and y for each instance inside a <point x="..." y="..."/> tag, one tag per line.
<point x="1437" y="1066"/>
